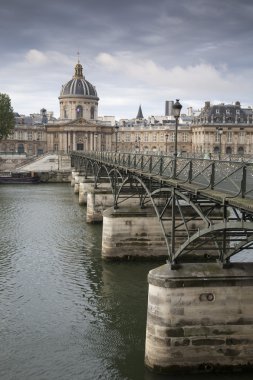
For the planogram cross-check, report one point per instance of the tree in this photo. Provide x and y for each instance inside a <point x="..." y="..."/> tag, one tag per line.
<point x="7" y="118"/>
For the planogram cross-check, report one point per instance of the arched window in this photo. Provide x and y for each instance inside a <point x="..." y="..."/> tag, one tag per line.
<point x="216" y="149"/>
<point x="92" y="113"/>
<point x="228" y="150"/>
<point x="79" y="112"/>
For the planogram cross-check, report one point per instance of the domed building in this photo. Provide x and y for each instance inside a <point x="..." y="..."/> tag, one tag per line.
<point x="78" y="98"/>
<point x="78" y="127"/>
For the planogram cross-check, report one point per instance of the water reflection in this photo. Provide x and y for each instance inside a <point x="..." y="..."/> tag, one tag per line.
<point x="65" y="313"/>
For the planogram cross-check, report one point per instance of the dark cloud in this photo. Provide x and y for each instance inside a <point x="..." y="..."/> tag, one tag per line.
<point x="168" y="32"/>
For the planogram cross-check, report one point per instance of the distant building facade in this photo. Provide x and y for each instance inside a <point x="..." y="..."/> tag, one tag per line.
<point x="223" y="128"/>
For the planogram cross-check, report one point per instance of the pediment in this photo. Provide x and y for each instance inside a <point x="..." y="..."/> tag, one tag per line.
<point x="79" y="123"/>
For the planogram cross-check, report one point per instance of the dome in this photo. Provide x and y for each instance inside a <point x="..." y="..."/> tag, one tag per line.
<point x="78" y="86"/>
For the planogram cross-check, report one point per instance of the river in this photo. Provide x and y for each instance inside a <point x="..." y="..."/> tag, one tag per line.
<point x="65" y="313"/>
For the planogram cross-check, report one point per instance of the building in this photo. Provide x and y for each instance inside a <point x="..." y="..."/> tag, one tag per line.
<point x="223" y="129"/>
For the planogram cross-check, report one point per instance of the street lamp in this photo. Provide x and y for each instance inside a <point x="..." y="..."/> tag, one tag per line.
<point x="116" y="136"/>
<point x="166" y="143"/>
<point x="220" y="131"/>
<point x="176" y="112"/>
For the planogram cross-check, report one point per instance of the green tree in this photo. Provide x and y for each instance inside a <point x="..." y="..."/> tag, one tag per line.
<point x="7" y="119"/>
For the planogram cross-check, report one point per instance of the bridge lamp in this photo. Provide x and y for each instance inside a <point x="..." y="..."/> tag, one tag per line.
<point x="220" y="131"/>
<point x="116" y="136"/>
<point x="176" y="112"/>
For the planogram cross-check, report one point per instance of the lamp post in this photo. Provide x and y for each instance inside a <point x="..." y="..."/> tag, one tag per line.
<point x="220" y="131"/>
<point x="166" y="143"/>
<point x="176" y="112"/>
<point x="116" y="136"/>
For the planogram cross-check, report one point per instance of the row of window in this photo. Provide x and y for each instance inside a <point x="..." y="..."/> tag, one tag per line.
<point x="170" y="137"/>
<point x="79" y="112"/>
<point x="22" y="135"/>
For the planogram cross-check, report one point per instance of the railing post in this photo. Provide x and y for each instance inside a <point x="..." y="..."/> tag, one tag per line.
<point x="142" y="162"/>
<point x="161" y="166"/>
<point x="244" y="181"/>
<point x="150" y="164"/>
<point x="190" y="172"/>
<point x="212" y="176"/>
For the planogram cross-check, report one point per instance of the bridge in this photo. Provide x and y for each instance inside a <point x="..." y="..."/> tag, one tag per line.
<point x="199" y="316"/>
<point x="220" y="193"/>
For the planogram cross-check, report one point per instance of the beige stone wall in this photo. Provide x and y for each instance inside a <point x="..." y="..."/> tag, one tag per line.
<point x="200" y="318"/>
<point x="131" y="233"/>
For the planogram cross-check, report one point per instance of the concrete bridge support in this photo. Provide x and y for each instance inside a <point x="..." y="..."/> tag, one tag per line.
<point x="97" y="201"/>
<point x="200" y="318"/>
<point x="84" y="186"/>
<point x="79" y="178"/>
<point x="74" y="173"/>
<point x="132" y="232"/>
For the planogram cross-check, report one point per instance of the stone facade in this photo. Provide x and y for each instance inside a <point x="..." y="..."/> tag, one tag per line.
<point x="200" y="318"/>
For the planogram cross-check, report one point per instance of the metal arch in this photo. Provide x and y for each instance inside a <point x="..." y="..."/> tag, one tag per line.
<point x="215" y="230"/>
<point x="153" y="182"/>
<point x="160" y="214"/>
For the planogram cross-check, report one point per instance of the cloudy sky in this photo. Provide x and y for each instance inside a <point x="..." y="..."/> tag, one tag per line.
<point x="135" y="52"/>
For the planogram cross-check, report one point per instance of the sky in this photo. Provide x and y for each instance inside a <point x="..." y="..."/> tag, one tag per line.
<point x="135" y="52"/>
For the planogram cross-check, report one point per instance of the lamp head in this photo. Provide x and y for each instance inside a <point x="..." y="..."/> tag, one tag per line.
<point x="177" y="108"/>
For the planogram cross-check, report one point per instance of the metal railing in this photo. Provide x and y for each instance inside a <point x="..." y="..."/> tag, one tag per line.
<point x="231" y="177"/>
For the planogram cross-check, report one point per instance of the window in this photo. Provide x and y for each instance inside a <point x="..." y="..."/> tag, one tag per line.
<point x="79" y="112"/>
<point x="217" y="136"/>
<point x="241" y="137"/>
<point x="92" y="113"/>
<point x="154" y="137"/>
<point x="172" y="137"/>
<point x="229" y="136"/>
<point x="39" y="135"/>
<point x="185" y="136"/>
<point x="227" y="111"/>
<point x="30" y="136"/>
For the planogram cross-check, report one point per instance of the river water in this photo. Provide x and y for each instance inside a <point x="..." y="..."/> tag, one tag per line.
<point x="65" y="313"/>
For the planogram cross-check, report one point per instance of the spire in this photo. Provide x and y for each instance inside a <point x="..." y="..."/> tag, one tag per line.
<point x="139" y="114"/>
<point x="78" y="68"/>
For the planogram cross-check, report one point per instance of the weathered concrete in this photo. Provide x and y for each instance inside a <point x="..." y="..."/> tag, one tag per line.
<point x="73" y="175"/>
<point x="200" y="318"/>
<point x="79" y="178"/>
<point x="97" y="201"/>
<point x="84" y="186"/>
<point x="131" y="232"/>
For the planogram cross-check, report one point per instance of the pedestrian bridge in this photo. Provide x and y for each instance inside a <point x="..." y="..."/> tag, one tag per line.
<point x="199" y="202"/>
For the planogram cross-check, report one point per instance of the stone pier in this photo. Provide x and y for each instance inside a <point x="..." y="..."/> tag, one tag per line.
<point x="200" y="318"/>
<point x="73" y="175"/>
<point x="132" y="232"/>
<point x="97" y="201"/>
<point x="85" y="185"/>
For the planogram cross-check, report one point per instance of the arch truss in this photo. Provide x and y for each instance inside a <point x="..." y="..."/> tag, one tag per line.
<point x="199" y="222"/>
